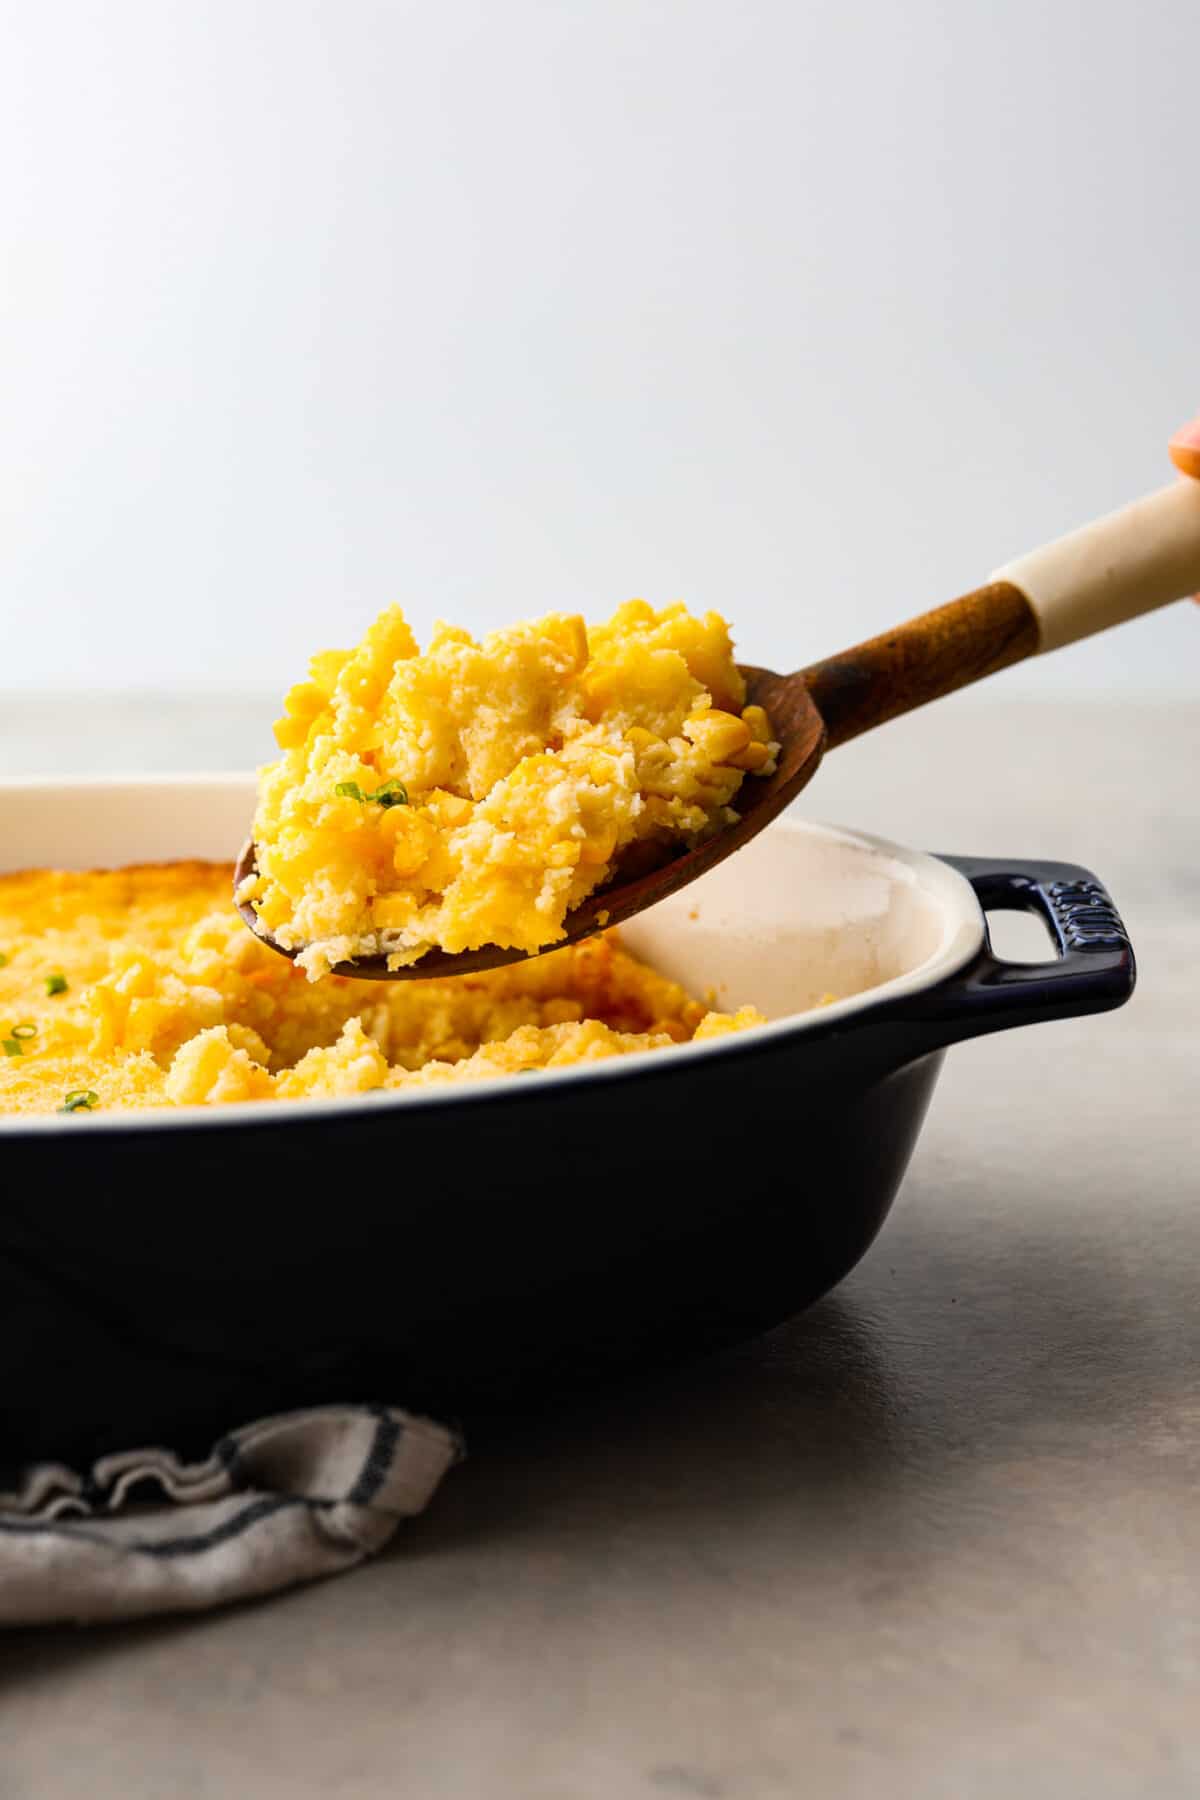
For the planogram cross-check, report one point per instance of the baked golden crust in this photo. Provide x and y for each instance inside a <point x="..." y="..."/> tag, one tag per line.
<point x="141" y="987"/>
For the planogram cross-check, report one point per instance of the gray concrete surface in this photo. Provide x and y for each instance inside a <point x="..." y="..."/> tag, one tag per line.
<point x="938" y="1538"/>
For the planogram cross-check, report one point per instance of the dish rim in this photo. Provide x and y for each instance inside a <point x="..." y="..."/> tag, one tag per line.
<point x="963" y="936"/>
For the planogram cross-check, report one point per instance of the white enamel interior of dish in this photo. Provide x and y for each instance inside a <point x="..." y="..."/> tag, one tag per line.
<point x="801" y="914"/>
<point x="803" y="911"/>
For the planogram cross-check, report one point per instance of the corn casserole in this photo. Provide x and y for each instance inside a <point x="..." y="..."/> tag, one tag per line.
<point x="473" y="794"/>
<point x="141" y="987"/>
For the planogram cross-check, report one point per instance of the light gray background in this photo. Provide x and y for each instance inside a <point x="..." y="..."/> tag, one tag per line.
<point x="813" y="313"/>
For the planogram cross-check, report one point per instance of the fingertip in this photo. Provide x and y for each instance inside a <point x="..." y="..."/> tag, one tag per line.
<point x="1185" y="449"/>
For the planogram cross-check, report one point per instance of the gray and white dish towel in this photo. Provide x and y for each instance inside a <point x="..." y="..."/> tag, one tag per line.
<point x="283" y="1501"/>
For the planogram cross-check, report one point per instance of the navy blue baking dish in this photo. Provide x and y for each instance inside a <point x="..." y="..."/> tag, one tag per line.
<point x="166" y="1276"/>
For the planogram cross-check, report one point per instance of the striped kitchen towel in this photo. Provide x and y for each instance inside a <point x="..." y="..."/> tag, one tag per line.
<point x="286" y="1500"/>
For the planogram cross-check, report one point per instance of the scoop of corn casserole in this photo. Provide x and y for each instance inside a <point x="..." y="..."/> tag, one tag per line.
<point x="474" y="793"/>
<point x="140" y="987"/>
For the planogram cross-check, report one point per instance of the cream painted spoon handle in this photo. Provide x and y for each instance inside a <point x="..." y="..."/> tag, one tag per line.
<point x="1121" y="566"/>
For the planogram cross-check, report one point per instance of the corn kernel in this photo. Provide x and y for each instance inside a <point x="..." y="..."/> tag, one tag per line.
<point x="408" y="857"/>
<point x="305" y="703"/>
<point x="451" y="809"/>
<point x="137" y="978"/>
<point x="144" y="1021"/>
<point x="753" y="758"/>
<point x="107" y="1013"/>
<point x="718" y="734"/>
<point x="760" y="726"/>
<point x="391" y="912"/>
<point x="571" y="632"/>
<point x="594" y="851"/>
<point x="289" y="733"/>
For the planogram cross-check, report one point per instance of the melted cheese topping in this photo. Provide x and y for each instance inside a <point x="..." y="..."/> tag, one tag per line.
<point x="143" y="987"/>
<point x="474" y="794"/>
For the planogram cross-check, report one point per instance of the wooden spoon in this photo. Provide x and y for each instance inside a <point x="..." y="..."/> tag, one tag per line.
<point x="1129" y="563"/>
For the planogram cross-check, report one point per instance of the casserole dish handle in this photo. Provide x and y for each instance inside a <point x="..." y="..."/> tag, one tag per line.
<point x="1093" y="970"/>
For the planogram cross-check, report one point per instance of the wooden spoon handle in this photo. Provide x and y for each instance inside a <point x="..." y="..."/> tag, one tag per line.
<point x="1142" y="557"/>
<point x="922" y="660"/>
<point x="1117" y="568"/>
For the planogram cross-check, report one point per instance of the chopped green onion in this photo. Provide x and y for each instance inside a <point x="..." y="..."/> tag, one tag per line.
<point x="25" y="1030"/>
<point x="392" y="793"/>
<point x="56" y="984"/>
<point x="11" y="1047"/>
<point x="80" y="1100"/>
